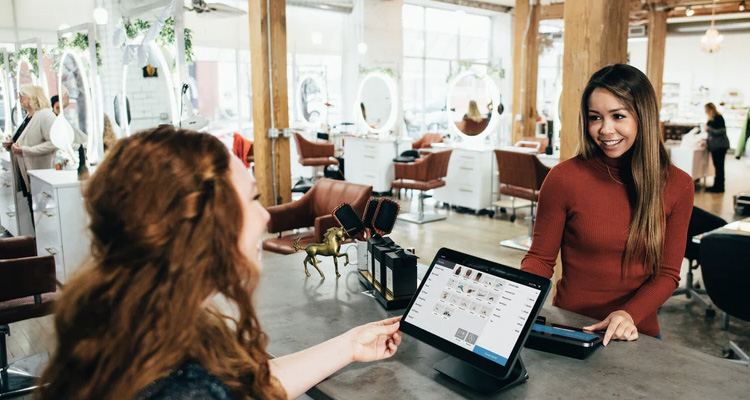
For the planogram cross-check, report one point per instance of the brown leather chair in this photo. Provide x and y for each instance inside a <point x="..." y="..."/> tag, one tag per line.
<point x="17" y="247"/>
<point x="470" y="127"/>
<point x="425" y="173"/>
<point x="313" y="154"/>
<point x="521" y="176"/>
<point x="27" y="290"/>
<point x="540" y="144"/>
<point x="313" y="210"/>
<point x="426" y="141"/>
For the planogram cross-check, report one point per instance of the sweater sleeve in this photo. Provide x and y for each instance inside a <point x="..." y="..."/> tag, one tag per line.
<point x="652" y="294"/>
<point x="46" y="146"/>
<point x="548" y="231"/>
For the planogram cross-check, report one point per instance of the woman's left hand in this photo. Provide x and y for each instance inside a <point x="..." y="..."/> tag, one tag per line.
<point x="620" y="326"/>
<point x="376" y="340"/>
<point x="16" y="149"/>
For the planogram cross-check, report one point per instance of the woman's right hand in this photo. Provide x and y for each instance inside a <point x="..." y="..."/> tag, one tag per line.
<point x="375" y="341"/>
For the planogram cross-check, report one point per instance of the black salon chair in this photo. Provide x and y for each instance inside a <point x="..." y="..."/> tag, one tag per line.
<point x="725" y="261"/>
<point x="700" y="222"/>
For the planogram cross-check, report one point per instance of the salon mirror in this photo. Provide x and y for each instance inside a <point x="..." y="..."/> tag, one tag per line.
<point x="3" y="107"/>
<point x="311" y="101"/>
<point x="23" y="77"/>
<point x="376" y="102"/>
<point x="472" y="103"/>
<point x="75" y="101"/>
<point x="149" y="92"/>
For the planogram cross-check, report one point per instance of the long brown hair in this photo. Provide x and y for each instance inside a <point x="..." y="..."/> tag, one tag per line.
<point x="165" y="225"/>
<point x="649" y="164"/>
<point x="711" y="111"/>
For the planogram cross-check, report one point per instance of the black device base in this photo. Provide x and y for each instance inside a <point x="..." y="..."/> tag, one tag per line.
<point x="539" y="342"/>
<point x="479" y="380"/>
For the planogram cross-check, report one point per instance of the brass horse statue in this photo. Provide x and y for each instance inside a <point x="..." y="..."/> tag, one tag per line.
<point x="331" y="245"/>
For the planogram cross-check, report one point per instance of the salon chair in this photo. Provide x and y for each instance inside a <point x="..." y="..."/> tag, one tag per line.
<point x="27" y="290"/>
<point x="700" y="222"/>
<point x="313" y="154"/>
<point x="313" y="210"/>
<point x="17" y="247"/>
<point x="521" y="177"/>
<point x="725" y="267"/>
<point x="243" y="149"/>
<point x="425" y="173"/>
<point x="470" y="127"/>
<point x="426" y="141"/>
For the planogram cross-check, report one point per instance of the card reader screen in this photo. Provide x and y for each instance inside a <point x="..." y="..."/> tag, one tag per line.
<point x="476" y="310"/>
<point x="564" y="332"/>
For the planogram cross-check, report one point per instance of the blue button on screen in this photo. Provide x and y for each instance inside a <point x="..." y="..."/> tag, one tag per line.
<point x="490" y="355"/>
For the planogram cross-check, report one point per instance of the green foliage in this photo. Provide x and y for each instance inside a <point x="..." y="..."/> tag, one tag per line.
<point x="29" y="53"/>
<point x="80" y="42"/>
<point x="166" y="36"/>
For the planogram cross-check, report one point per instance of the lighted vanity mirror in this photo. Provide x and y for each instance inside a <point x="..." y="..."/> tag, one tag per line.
<point x="23" y="77"/>
<point x="472" y="104"/>
<point x="149" y="91"/>
<point x="4" y="110"/>
<point x="377" y="102"/>
<point x="311" y="101"/>
<point x="75" y="99"/>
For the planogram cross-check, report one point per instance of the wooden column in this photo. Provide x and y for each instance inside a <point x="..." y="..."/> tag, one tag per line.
<point x="270" y="99"/>
<point x="596" y="35"/>
<point x="525" y="67"/>
<point x="657" y="39"/>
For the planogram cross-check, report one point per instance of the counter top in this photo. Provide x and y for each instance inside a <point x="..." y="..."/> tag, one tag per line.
<point x="58" y="178"/>
<point x="297" y="312"/>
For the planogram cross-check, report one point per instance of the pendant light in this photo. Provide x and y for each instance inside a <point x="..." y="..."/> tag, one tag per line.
<point x="711" y="41"/>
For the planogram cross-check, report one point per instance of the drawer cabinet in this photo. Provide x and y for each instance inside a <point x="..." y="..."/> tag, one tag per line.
<point x="14" y="210"/>
<point x="370" y="161"/>
<point x="60" y="218"/>
<point x="469" y="179"/>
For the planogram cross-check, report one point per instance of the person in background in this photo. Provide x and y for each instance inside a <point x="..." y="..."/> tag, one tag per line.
<point x="473" y="112"/>
<point x="165" y="307"/>
<point x="31" y="145"/>
<point x="717" y="144"/>
<point x="618" y="212"/>
<point x="109" y="137"/>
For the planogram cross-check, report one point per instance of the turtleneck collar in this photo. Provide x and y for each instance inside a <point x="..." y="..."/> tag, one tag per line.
<point x="617" y="167"/>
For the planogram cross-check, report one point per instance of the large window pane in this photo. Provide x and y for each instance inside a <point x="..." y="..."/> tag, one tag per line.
<point x="475" y="25"/>
<point x="436" y="91"/>
<point x="412" y="81"/>
<point x="475" y="48"/>
<point x="441" y="21"/>
<point x="441" y="45"/>
<point x="412" y="17"/>
<point x="413" y="43"/>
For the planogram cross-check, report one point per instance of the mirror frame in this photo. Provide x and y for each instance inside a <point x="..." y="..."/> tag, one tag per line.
<point x="7" y="86"/>
<point x="324" y="92"/>
<point x="17" y="81"/>
<point x="494" y="97"/>
<point x="391" y="84"/>
<point x="90" y="122"/>
<point x="175" y="117"/>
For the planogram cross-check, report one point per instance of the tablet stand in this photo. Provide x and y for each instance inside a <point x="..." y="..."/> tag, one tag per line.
<point x="479" y="380"/>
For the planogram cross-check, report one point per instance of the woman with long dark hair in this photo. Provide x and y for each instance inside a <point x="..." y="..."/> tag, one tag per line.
<point x="175" y="222"/>
<point x="618" y="212"/>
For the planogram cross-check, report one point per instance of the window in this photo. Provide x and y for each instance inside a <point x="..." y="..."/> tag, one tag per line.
<point x="436" y="42"/>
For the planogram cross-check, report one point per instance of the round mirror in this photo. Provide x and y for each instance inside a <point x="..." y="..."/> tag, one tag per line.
<point x="376" y="102"/>
<point x="23" y="77"/>
<point x="149" y="92"/>
<point x="471" y="103"/>
<point x="311" y="101"/>
<point x="75" y="102"/>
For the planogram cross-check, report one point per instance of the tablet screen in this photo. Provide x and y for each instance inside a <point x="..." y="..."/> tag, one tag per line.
<point x="476" y="306"/>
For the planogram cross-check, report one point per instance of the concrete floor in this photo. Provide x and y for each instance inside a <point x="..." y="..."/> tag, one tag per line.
<point x="681" y="320"/>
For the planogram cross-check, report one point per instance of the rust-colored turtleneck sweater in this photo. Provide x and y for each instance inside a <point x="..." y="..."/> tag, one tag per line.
<point x="584" y="213"/>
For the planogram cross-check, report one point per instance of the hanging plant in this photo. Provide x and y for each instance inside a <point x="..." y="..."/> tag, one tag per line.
<point x="80" y="42"/>
<point x="139" y="27"/>
<point x="386" y="71"/>
<point x="467" y="66"/>
<point x="30" y="55"/>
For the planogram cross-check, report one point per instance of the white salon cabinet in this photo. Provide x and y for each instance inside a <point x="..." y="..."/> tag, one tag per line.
<point x="60" y="219"/>
<point x="14" y="209"/>
<point x="370" y="161"/>
<point x="469" y="179"/>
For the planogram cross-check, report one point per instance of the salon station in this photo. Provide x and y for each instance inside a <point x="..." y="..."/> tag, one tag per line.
<point x="403" y="136"/>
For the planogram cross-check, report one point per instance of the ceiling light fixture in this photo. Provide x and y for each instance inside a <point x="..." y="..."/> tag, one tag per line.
<point x="711" y="41"/>
<point x="689" y="12"/>
<point x="742" y="6"/>
<point x="101" y="16"/>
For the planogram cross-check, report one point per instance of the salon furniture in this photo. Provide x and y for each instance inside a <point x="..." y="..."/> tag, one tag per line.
<point x="369" y="161"/>
<point x="675" y="131"/>
<point x="470" y="127"/>
<point x="700" y="222"/>
<point x="27" y="290"/>
<point x="312" y="154"/>
<point x="426" y="141"/>
<point x="423" y="174"/>
<point x="17" y="247"/>
<point x="725" y="261"/>
<point x="298" y="312"/>
<point x="695" y="161"/>
<point x="312" y="210"/>
<point x="468" y="182"/>
<point x="60" y="218"/>
<point x="15" y="215"/>
<point x="521" y="177"/>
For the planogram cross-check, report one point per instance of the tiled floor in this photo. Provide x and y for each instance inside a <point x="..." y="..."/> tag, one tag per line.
<point x="681" y="321"/>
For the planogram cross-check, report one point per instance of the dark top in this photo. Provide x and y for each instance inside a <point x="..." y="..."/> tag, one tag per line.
<point x="20" y="129"/>
<point x="717" y="122"/>
<point x="190" y="381"/>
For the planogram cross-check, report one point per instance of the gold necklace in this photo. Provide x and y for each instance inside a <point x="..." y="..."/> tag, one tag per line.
<point x="613" y="178"/>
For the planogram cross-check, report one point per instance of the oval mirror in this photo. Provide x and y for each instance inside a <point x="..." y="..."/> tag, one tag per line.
<point x="312" y="99"/>
<point x="377" y="102"/>
<point x="3" y="107"/>
<point x="471" y="104"/>
<point x="75" y="102"/>
<point x="23" y="77"/>
<point x="149" y="92"/>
